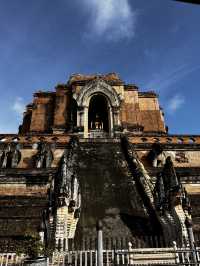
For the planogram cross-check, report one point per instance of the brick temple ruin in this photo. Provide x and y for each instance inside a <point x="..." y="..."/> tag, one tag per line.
<point x="94" y="149"/>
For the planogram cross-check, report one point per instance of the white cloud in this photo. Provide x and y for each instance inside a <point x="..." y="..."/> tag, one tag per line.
<point x="175" y="103"/>
<point x="111" y="19"/>
<point x="18" y="106"/>
<point x="165" y="79"/>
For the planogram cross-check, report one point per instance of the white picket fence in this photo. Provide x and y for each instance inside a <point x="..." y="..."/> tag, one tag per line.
<point x="88" y="258"/>
<point x="7" y="259"/>
<point x="145" y="256"/>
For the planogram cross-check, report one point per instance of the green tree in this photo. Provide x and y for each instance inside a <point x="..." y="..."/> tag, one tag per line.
<point x="30" y="245"/>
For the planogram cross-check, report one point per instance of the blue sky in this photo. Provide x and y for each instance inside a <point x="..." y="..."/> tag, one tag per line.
<point x="154" y="44"/>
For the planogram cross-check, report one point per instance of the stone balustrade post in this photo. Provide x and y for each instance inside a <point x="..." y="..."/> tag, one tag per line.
<point x="188" y="223"/>
<point x="99" y="243"/>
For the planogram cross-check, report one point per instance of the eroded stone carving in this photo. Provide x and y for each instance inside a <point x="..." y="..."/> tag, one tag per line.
<point x="170" y="178"/>
<point x="164" y="202"/>
<point x="10" y="156"/>
<point x="44" y="156"/>
<point x="68" y="195"/>
<point x="154" y="154"/>
<point x="167" y="184"/>
<point x="160" y="194"/>
<point x="157" y="156"/>
<point x="181" y="157"/>
<point x="68" y="182"/>
<point x="98" y="86"/>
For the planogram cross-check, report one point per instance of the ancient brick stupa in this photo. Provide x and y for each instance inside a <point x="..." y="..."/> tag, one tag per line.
<point x="94" y="149"/>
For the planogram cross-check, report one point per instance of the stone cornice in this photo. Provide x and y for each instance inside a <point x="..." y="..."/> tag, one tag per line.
<point x="142" y="140"/>
<point x="20" y="172"/>
<point x="80" y="79"/>
<point x="147" y="94"/>
<point x="44" y="94"/>
<point x="130" y="87"/>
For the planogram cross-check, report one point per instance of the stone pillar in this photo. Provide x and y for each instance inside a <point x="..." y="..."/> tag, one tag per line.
<point x="116" y="116"/>
<point x="111" y="130"/>
<point x="99" y="244"/>
<point x="80" y="115"/>
<point x="130" y="254"/>
<point x="175" y="251"/>
<point x="78" y="118"/>
<point x="85" y="122"/>
<point x="188" y="223"/>
<point x="118" y="119"/>
<point x="62" y="114"/>
<point x="41" y="234"/>
<point x="60" y="226"/>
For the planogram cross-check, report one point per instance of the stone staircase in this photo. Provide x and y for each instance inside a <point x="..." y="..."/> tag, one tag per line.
<point x="70" y="219"/>
<point x="106" y="185"/>
<point x="65" y="226"/>
<point x="61" y="224"/>
<point x="181" y="218"/>
<point x="72" y="228"/>
<point x="105" y="189"/>
<point x="169" y="227"/>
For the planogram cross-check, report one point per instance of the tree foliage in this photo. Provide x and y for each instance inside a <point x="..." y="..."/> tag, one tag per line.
<point x="30" y="245"/>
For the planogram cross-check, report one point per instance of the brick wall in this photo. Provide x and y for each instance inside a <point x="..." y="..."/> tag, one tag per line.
<point x="62" y="107"/>
<point x="42" y="112"/>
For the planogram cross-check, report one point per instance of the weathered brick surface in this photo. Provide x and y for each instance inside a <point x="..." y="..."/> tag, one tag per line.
<point x="152" y="120"/>
<point x="52" y="110"/>
<point x="10" y="190"/>
<point x="144" y="111"/>
<point x="42" y="113"/>
<point x="62" y="107"/>
<point x="148" y="104"/>
<point x="23" y="199"/>
<point x="27" y="160"/>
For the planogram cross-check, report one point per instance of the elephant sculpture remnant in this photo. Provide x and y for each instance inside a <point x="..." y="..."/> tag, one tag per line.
<point x="69" y="187"/>
<point x="10" y="156"/>
<point x="44" y="156"/>
<point x="166" y="201"/>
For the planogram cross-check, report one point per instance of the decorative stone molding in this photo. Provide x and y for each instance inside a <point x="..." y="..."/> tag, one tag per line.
<point x="94" y="87"/>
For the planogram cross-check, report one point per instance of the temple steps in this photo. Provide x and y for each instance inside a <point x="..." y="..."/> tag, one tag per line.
<point x="105" y="191"/>
<point x="72" y="229"/>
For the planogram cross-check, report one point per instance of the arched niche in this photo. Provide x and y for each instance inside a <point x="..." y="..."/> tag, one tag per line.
<point x="101" y="91"/>
<point x="98" y="113"/>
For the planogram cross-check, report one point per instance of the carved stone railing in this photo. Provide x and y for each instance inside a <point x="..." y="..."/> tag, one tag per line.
<point x="164" y="200"/>
<point x="67" y="201"/>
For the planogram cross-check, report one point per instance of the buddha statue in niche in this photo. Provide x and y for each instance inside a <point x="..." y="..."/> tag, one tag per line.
<point x="97" y="123"/>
